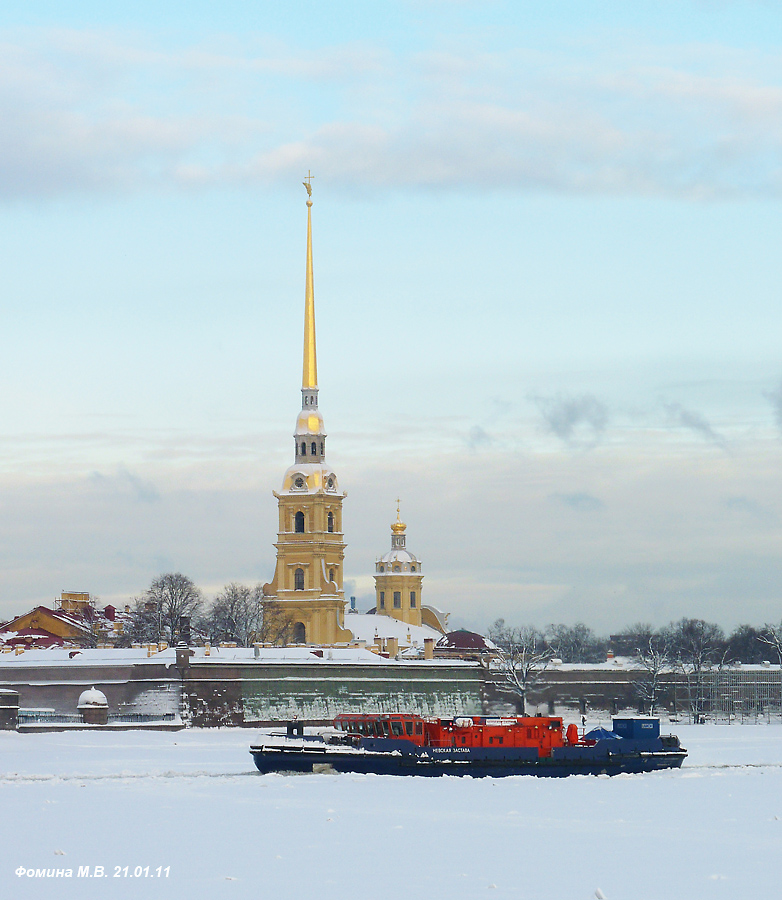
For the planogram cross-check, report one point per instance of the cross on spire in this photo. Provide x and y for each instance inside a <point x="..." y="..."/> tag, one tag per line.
<point x="308" y="182"/>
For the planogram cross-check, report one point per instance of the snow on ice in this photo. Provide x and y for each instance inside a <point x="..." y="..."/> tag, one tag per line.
<point x="192" y="802"/>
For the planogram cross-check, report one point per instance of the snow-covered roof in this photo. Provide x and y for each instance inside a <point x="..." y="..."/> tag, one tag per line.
<point x="366" y="627"/>
<point x="92" y="697"/>
<point x="310" y="478"/>
<point x="103" y="656"/>
<point x="294" y="654"/>
<point x="465" y="640"/>
<point x="399" y="555"/>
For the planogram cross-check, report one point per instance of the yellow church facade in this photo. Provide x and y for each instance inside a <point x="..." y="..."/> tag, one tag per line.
<point x="398" y="580"/>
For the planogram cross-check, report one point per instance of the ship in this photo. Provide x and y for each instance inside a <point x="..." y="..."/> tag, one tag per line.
<point x="480" y="746"/>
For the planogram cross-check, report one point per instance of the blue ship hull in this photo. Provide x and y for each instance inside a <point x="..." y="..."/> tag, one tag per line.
<point x="399" y="757"/>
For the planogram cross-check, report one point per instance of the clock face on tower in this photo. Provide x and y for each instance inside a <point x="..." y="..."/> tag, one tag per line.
<point x="299" y="483"/>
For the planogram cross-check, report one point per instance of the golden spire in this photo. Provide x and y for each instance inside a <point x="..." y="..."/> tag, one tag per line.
<point x="399" y="526"/>
<point x="309" y="378"/>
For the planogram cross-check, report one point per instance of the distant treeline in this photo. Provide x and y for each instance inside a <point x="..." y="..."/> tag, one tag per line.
<point x="173" y="608"/>
<point x="685" y="641"/>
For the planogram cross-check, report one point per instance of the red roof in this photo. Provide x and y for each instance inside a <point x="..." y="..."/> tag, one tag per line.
<point x="35" y="637"/>
<point x="463" y="640"/>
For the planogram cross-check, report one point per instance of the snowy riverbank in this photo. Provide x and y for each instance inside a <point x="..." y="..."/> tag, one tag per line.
<point x="192" y="801"/>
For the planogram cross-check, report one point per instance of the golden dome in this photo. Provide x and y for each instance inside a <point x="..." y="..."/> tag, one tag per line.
<point x="309" y="421"/>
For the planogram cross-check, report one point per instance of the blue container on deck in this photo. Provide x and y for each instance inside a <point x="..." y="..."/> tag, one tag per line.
<point x="637" y="728"/>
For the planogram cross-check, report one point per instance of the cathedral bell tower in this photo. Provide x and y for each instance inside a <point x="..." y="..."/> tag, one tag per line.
<point x="307" y="583"/>
<point x="398" y="579"/>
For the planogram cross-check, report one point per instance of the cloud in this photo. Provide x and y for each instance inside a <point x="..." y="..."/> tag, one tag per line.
<point x="97" y="111"/>
<point x="694" y="421"/>
<point x="127" y="482"/>
<point x="575" y="420"/>
<point x="775" y="398"/>
<point x="478" y="438"/>
<point x="753" y="509"/>
<point x="579" y="501"/>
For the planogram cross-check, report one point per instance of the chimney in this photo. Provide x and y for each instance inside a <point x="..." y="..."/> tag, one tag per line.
<point x="428" y="648"/>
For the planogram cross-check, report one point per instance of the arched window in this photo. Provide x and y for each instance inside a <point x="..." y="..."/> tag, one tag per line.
<point x="412" y="568"/>
<point x="321" y="448"/>
<point x="303" y="449"/>
<point x="314" y="448"/>
<point x="299" y="523"/>
<point x="299" y="633"/>
<point x="412" y="599"/>
<point x="382" y="568"/>
<point x="298" y="580"/>
<point x="330" y="522"/>
<point x="397" y="599"/>
<point x="331" y="575"/>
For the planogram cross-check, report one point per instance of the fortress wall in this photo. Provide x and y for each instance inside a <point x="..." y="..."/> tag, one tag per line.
<point x="263" y="693"/>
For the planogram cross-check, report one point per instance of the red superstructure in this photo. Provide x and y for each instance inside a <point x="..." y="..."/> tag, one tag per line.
<point x="542" y="732"/>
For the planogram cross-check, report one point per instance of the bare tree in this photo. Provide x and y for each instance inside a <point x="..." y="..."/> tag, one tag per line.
<point x="276" y="626"/>
<point x="143" y="626"/>
<point x="172" y="600"/>
<point x="696" y="647"/>
<point x="655" y="658"/>
<point x="576" y="643"/>
<point x="236" y="614"/>
<point x="745" y="645"/>
<point x="771" y="635"/>
<point x="524" y="658"/>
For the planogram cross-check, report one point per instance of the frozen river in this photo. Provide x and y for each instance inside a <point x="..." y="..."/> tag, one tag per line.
<point x="187" y="811"/>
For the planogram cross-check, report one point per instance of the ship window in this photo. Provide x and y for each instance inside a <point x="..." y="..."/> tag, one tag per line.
<point x="500" y="740"/>
<point x="408" y="727"/>
<point x="464" y="740"/>
<point x="382" y="599"/>
<point x="397" y="599"/>
<point x="299" y="524"/>
<point x="314" y="448"/>
<point x="419" y="727"/>
<point x="491" y="740"/>
<point x="396" y="729"/>
<point x="298" y="580"/>
<point x="412" y="599"/>
<point x="330" y="521"/>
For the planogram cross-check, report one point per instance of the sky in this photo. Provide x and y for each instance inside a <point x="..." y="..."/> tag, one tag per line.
<point x="547" y="277"/>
